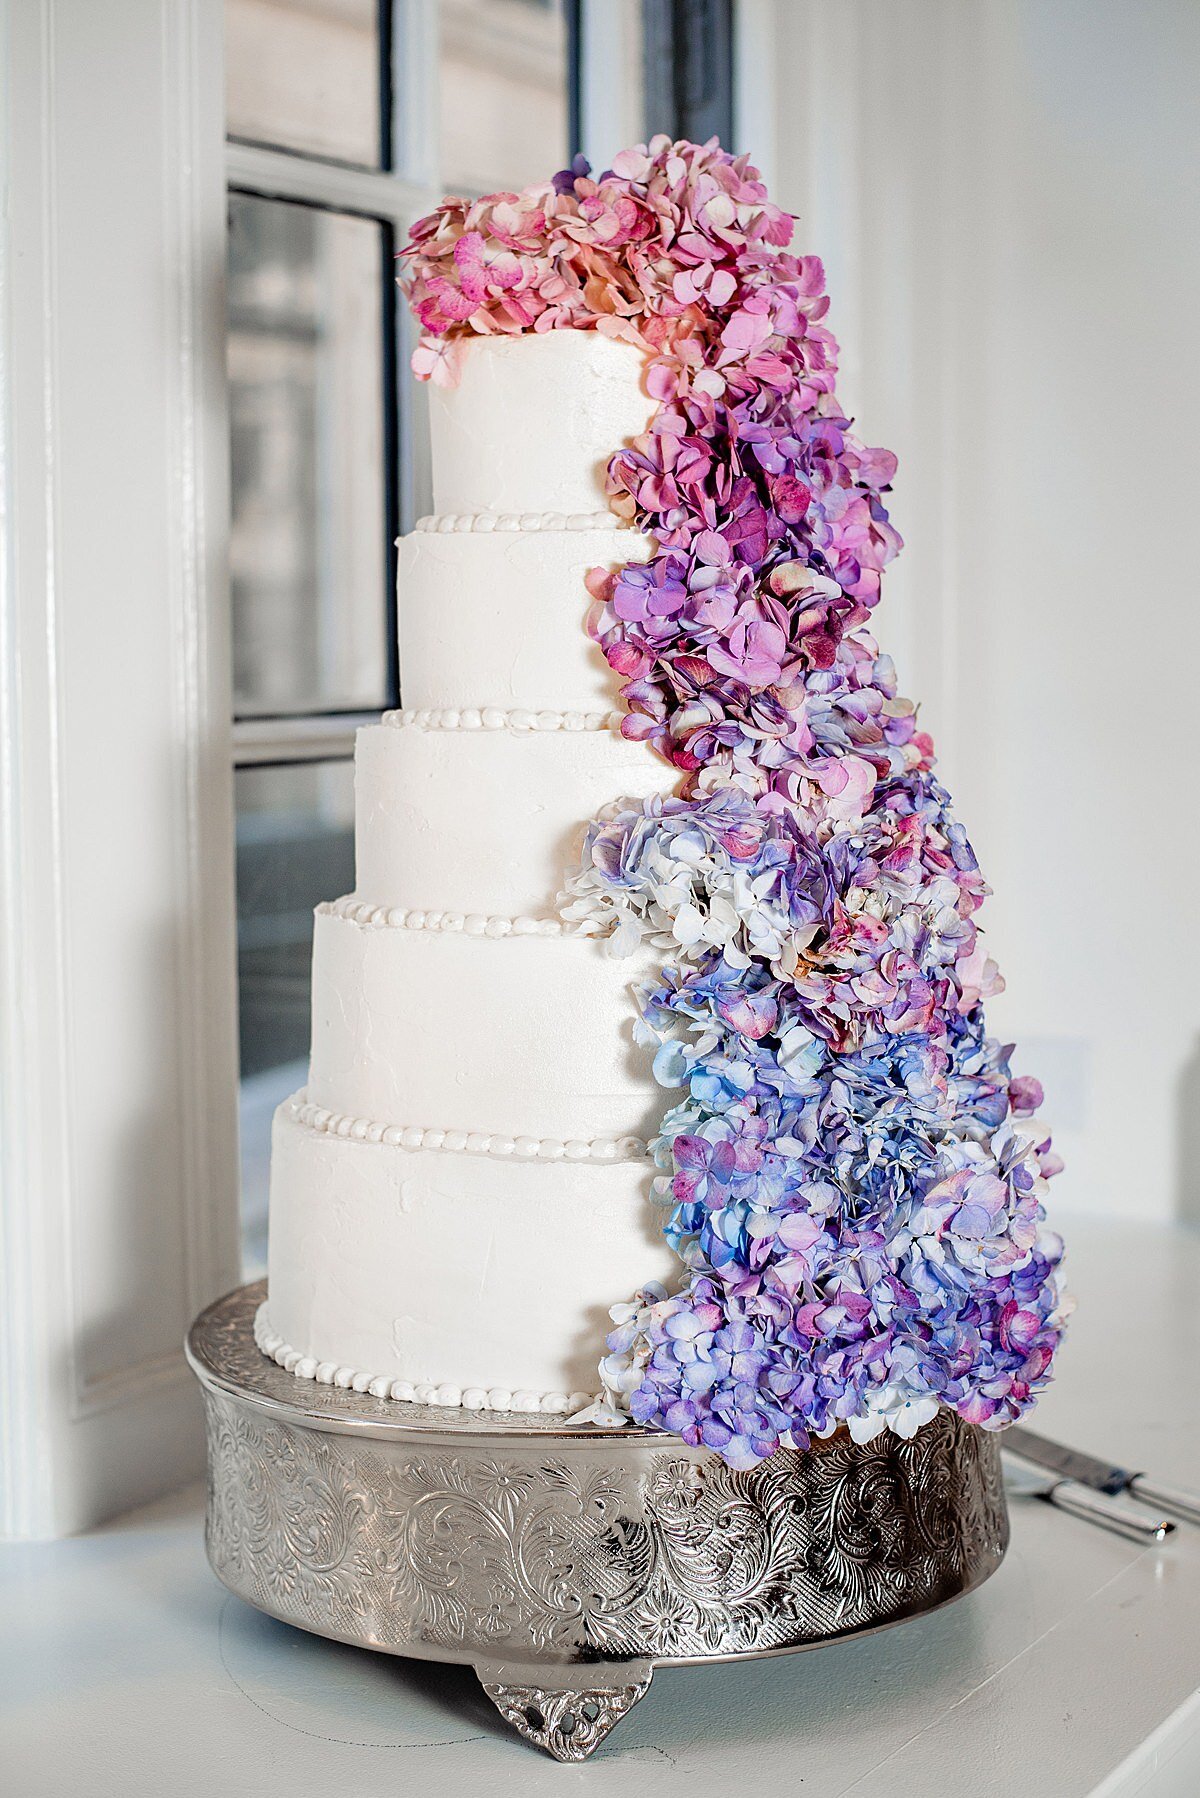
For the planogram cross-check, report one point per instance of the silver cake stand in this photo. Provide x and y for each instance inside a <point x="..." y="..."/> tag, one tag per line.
<point x="566" y="1563"/>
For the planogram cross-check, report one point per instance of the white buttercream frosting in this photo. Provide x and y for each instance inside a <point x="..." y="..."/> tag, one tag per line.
<point x="534" y="421"/>
<point x="523" y="1034"/>
<point x="434" y="1266"/>
<point x="503" y="618"/>
<point x="485" y="821"/>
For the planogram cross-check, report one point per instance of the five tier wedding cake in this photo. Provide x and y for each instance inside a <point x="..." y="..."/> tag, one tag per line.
<point x="657" y="1004"/>
<point x="476" y="1117"/>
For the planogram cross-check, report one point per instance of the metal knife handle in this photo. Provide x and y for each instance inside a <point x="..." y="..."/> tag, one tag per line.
<point x="1176" y="1500"/>
<point x="1110" y="1513"/>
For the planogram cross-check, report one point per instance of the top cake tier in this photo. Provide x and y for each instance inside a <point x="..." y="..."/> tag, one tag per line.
<point x="534" y="421"/>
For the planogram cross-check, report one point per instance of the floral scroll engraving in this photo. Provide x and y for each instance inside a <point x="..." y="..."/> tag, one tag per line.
<point x="565" y="1562"/>
<point x="565" y="1550"/>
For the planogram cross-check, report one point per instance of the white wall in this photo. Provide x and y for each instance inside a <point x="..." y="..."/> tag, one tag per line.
<point x="118" y="1052"/>
<point x="1006" y="198"/>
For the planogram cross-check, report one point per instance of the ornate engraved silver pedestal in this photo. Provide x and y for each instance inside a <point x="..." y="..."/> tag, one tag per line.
<point x="565" y="1564"/>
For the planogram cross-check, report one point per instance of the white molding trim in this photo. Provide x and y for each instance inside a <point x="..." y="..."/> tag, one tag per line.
<point x="22" y="1486"/>
<point x="118" y="1203"/>
<point x="194" y="211"/>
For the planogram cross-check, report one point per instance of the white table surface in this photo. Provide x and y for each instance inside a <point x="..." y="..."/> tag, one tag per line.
<point x="125" y="1669"/>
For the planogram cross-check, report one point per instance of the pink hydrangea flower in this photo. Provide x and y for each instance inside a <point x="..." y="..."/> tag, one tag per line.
<point x="846" y="782"/>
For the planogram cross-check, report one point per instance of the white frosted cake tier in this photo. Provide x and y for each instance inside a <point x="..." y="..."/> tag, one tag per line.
<point x="502" y="614"/>
<point x="485" y="820"/>
<point x="534" y="421"/>
<point x="481" y="1278"/>
<point x="526" y="1035"/>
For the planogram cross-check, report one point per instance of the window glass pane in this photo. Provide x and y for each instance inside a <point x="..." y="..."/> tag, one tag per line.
<point x="689" y="68"/>
<point x="503" y="84"/>
<point x="304" y="75"/>
<point x="295" y="847"/>
<point x="308" y="551"/>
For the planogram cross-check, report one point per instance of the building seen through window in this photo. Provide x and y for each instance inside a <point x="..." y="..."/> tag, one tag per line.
<point x="308" y="564"/>
<point x="305" y="75"/>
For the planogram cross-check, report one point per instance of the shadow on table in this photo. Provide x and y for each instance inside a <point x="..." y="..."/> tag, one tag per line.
<point x="338" y="1693"/>
<point x="343" y="1694"/>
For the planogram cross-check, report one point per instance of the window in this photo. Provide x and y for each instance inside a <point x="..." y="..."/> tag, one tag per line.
<point x="337" y="114"/>
<point x="316" y="209"/>
<point x="346" y="120"/>
<point x="116" y="932"/>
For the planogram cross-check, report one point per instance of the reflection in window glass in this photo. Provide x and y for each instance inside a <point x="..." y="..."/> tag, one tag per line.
<point x="503" y="84"/>
<point x="304" y="75"/>
<point x="308" y="550"/>
<point x="295" y="847"/>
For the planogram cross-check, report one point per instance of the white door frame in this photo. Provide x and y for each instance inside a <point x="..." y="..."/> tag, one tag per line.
<point x="118" y="1048"/>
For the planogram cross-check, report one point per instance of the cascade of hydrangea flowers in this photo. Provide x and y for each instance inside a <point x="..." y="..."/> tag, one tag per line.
<point x="850" y="1175"/>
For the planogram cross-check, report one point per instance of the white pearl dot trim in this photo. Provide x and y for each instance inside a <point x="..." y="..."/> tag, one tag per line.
<point x="493" y="717"/>
<point x="396" y="917"/>
<point x="464" y="1142"/>
<point x="469" y="1398"/>
<point x="447" y="523"/>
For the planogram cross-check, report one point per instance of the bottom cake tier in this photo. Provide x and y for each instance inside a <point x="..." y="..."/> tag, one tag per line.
<point x="451" y="1277"/>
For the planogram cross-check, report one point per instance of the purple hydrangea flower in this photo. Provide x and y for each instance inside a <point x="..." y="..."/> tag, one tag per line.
<point x="848" y="1171"/>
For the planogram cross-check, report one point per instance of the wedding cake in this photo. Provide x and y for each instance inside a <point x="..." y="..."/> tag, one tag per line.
<point x="649" y="1076"/>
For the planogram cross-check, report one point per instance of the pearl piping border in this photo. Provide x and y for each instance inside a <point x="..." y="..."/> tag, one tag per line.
<point x="469" y="1398"/>
<point x="412" y="1137"/>
<point x="494" y="717"/>
<point x="396" y="917"/>
<point x="447" y="523"/>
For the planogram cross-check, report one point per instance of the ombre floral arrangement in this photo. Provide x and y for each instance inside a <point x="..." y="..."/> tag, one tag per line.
<point x="850" y="1176"/>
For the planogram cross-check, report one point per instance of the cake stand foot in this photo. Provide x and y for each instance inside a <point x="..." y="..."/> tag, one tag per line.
<point x="568" y="1722"/>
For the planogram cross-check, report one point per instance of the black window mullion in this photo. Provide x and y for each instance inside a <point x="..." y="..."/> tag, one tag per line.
<point x="688" y="68"/>
<point x="573" y="21"/>
<point x="387" y="85"/>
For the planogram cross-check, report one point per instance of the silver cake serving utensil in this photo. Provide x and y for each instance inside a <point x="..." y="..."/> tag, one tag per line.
<point x="1110" y="1511"/>
<point x="1102" y="1476"/>
<point x="566" y="1562"/>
